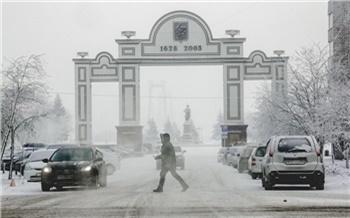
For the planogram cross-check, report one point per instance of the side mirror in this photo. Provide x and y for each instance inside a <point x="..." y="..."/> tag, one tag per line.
<point x="98" y="159"/>
<point x="45" y="160"/>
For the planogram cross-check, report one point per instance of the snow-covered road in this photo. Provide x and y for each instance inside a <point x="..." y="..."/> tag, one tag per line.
<point x="215" y="191"/>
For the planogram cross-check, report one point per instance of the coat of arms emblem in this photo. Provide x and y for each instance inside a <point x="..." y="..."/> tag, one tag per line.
<point x="180" y="31"/>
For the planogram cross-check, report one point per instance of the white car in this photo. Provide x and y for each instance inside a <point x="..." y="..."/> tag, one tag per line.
<point x="112" y="161"/>
<point x="293" y="160"/>
<point x="254" y="162"/>
<point x="32" y="169"/>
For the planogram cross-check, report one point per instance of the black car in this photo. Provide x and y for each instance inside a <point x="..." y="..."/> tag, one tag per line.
<point x="18" y="157"/>
<point x="34" y="146"/>
<point x="75" y="166"/>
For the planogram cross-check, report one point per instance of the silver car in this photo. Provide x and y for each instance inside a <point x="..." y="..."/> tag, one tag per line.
<point x="254" y="162"/>
<point x="233" y="156"/>
<point x="32" y="169"/>
<point x="293" y="160"/>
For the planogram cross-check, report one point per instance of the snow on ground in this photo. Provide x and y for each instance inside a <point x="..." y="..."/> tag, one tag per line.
<point x="337" y="176"/>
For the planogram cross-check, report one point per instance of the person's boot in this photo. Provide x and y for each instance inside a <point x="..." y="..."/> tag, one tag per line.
<point x="158" y="190"/>
<point x="185" y="188"/>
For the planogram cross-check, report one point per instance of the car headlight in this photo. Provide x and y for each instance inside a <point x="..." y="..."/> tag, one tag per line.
<point x="86" y="169"/>
<point x="47" y="169"/>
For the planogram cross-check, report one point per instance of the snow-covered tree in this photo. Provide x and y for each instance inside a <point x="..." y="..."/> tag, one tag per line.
<point x="299" y="109"/>
<point x="24" y="98"/>
<point x="216" y="133"/>
<point x="61" y="121"/>
<point x="152" y="134"/>
<point x="194" y="133"/>
<point x="173" y="130"/>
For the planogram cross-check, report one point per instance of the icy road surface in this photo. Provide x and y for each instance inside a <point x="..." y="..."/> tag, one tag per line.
<point x="215" y="191"/>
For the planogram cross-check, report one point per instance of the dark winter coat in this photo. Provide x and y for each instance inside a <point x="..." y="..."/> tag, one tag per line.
<point x="168" y="155"/>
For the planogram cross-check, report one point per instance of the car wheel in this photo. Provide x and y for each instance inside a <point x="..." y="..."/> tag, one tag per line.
<point x="94" y="182"/>
<point x="320" y="186"/>
<point x="267" y="184"/>
<point x="22" y="170"/>
<point x="103" y="179"/>
<point x="59" y="187"/>
<point x="262" y="182"/>
<point x="45" y="186"/>
<point x="110" y="169"/>
<point x="254" y="176"/>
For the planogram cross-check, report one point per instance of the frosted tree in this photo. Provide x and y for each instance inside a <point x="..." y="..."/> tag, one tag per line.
<point x="194" y="133"/>
<point x="152" y="134"/>
<point x="24" y="98"/>
<point x="60" y="120"/>
<point x="173" y="130"/>
<point x="298" y="110"/>
<point x="216" y="133"/>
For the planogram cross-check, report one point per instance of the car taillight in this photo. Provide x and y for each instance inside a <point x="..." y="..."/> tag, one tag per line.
<point x="253" y="161"/>
<point x="318" y="153"/>
<point x="270" y="153"/>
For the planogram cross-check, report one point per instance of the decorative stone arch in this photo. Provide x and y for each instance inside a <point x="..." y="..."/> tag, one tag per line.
<point x="177" y="38"/>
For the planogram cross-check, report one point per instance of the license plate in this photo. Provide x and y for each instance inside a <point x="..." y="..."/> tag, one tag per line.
<point x="294" y="162"/>
<point x="65" y="177"/>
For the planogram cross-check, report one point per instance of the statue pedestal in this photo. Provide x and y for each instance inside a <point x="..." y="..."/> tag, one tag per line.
<point x="187" y="133"/>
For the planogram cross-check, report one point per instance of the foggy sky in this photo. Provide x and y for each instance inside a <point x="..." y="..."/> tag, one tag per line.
<point x="60" y="30"/>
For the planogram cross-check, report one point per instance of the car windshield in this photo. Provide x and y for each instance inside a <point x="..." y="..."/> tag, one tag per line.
<point x="260" y="152"/>
<point x="72" y="155"/>
<point x="294" y="145"/>
<point x="38" y="156"/>
<point x="177" y="148"/>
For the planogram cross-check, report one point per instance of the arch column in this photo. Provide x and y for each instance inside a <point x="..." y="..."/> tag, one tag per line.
<point x="234" y="104"/>
<point x="129" y="131"/>
<point x="83" y="103"/>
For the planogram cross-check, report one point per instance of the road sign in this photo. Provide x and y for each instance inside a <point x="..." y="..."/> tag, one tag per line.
<point x="224" y="129"/>
<point x="224" y="135"/>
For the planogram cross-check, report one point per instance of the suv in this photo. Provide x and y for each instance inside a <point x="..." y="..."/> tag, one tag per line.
<point x="74" y="166"/>
<point x="293" y="160"/>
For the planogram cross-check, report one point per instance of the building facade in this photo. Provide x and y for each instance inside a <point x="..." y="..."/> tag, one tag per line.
<point x="339" y="32"/>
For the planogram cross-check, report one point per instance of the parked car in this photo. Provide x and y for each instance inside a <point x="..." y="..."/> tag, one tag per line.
<point x="222" y="155"/>
<point x="254" y="162"/>
<point x="242" y="162"/>
<point x="148" y="148"/>
<point x="18" y="156"/>
<point x="34" y="164"/>
<point x="34" y="146"/>
<point x="62" y="145"/>
<point x="293" y="160"/>
<point x="75" y="166"/>
<point x="233" y="155"/>
<point x="180" y="158"/>
<point x="112" y="160"/>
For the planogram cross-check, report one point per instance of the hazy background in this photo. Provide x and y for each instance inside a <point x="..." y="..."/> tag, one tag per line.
<point x="60" y="30"/>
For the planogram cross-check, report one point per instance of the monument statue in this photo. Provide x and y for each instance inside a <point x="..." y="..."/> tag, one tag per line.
<point x="187" y="113"/>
